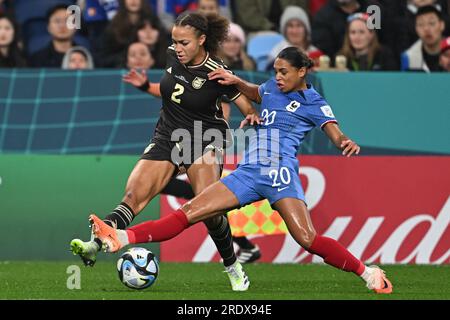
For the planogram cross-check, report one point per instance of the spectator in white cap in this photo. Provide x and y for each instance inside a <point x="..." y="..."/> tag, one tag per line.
<point x="233" y="50"/>
<point x="78" y="58"/>
<point x="296" y="29"/>
<point x="444" y="58"/>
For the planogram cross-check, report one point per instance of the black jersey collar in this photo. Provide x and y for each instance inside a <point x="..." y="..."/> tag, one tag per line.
<point x="202" y="63"/>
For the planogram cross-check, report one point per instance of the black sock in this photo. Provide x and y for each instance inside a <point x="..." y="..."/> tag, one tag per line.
<point x="244" y="243"/>
<point x="179" y="189"/>
<point x="120" y="218"/>
<point x="221" y="236"/>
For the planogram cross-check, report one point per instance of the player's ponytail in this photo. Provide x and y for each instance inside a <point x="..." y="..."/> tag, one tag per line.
<point x="296" y="57"/>
<point x="213" y="26"/>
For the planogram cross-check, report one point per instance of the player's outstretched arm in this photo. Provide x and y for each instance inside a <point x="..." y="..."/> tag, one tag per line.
<point x="140" y="81"/>
<point x="224" y="77"/>
<point x="250" y="113"/>
<point x="340" y="140"/>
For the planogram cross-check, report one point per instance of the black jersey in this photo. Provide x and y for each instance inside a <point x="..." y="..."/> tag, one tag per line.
<point x="188" y="96"/>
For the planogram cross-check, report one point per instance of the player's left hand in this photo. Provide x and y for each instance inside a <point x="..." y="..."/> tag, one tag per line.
<point x="350" y="147"/>
<point x="251" y="119"/>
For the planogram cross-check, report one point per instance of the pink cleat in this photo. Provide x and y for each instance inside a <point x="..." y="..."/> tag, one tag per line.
<point x="107" y="234"/>
<point x="378" y="281"/>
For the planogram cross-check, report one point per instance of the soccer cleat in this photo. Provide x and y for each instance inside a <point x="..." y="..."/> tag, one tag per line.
<point x="86" y="250"/>
<point x="106" y="234"/>
<point x="238" y="279"/>
<point x="378" y="281"/>
<point x="249" y="255"/>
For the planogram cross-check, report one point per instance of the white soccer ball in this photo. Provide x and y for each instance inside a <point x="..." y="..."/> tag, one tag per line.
<point x="138" y="268"/>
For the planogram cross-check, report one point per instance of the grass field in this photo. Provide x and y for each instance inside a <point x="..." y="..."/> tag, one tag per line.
<point x="47" y="280"/>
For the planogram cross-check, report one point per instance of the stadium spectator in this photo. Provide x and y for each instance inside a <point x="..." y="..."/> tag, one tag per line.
<point x="2" y="6"/>
<point x="316" y="5"/>
<point x="11" y="55"/>
<point x="7" y="7"/>
<point x="215" y="6"/>
<point x="330" y="23"/>
<point x="406" y="23"/>
<point x="262" y="15"/>
<point x="208" y="7"/>
<point x="155" y="37"/>
<point x="233" y="50"/>
<point x="168" y="10"/>
<point x="96" y="16"/>
<point x="296" y="29"/>
<point x="78" y="58"/>
<point x="424" y="54"/>
<point x="123" y="30"/>
<point x="52" y="55"/>
<point x="362" y="49"/>
<point x="98" y="10"/>
<point x="139" y="57"/>
<point x="444" y="58"/>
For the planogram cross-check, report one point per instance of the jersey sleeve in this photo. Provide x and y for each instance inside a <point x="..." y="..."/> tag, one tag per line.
<point x="321" y="114"/>
<point x="230" y="93"/>
<point x="262" y="89"/>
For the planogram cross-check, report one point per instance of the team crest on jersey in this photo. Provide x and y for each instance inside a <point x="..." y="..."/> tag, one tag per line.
<point x="198" y="83"/>
<point x="293" y="106"/>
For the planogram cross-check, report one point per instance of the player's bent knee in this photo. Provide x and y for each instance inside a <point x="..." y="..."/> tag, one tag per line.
<point x="306" y="239"/>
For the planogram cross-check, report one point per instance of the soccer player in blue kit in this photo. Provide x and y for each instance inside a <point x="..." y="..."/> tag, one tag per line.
<point x="269" y="169"/>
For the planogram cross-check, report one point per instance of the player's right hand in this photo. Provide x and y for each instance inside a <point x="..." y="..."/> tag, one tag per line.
<point x="135" y="78"/>
<point x="223" y="77"/>
<point x="251" y="119"/>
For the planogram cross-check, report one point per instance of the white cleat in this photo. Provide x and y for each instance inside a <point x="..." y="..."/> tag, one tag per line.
<point x="86" y="250"/>
<point x="238" y="279"/>
<point x="378" y="281"/>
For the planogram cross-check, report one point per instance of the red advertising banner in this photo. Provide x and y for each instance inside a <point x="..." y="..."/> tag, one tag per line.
<point x="387" y="209"/>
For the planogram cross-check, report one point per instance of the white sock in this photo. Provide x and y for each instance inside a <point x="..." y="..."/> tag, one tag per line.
<point x="123" y="237"/>
<point x="95" y="245"/>
<point x="366" y="274"/>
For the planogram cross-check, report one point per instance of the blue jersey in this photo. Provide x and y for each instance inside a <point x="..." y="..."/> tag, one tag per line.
<point x="288" y="117"/>
<point x="100" y="10"/>
<point x="269" y="169"/>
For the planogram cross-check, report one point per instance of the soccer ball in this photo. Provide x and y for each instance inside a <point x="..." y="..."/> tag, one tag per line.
<point x="138" y="268"/>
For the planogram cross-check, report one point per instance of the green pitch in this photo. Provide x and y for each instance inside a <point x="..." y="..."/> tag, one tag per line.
<point x="48" y="280"/>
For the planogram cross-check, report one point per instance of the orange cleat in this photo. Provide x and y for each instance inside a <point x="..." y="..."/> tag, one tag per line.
<point x="107" y="234"/>
<point x="378" y="282"/>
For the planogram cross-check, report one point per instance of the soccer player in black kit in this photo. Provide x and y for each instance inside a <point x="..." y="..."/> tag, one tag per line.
<point x="191" y="108"/>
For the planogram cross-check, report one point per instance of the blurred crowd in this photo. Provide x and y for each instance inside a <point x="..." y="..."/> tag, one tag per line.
<point x="344" y="35"/>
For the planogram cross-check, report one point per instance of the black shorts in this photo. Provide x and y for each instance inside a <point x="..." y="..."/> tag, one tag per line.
<point x="179" y="154"/>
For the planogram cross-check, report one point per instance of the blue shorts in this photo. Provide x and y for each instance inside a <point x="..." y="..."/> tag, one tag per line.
<point x="251" y="183"/>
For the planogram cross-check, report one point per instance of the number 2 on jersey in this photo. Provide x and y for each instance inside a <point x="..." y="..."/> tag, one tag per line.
<point x="178" y="91"/>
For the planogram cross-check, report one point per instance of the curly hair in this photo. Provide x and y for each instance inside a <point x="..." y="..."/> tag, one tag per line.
<point x="213" y="26"/>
